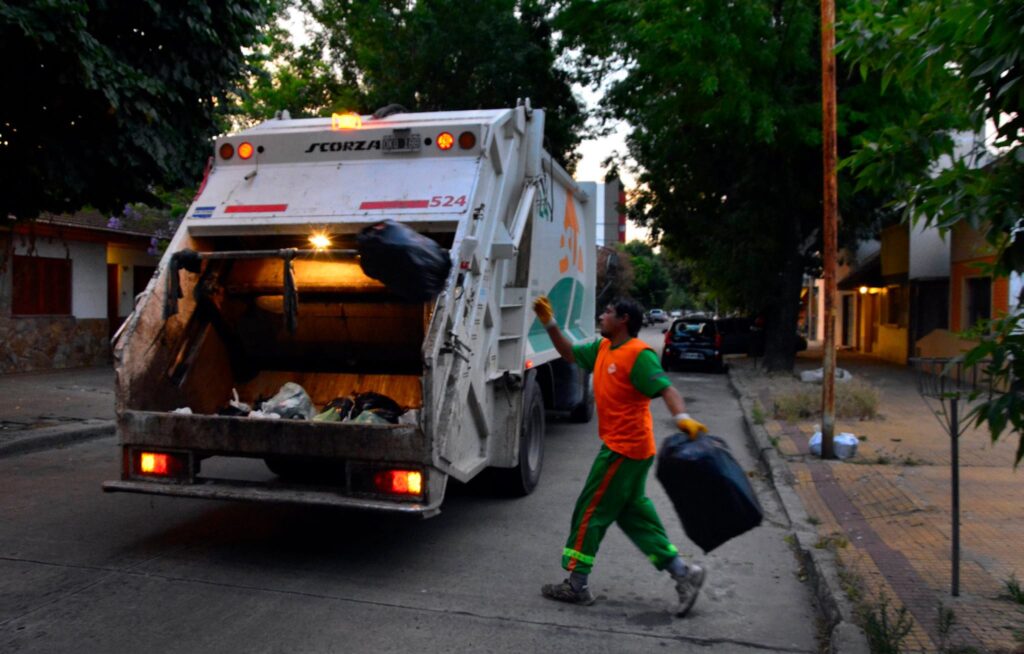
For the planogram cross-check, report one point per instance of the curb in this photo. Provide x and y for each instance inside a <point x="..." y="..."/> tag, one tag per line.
<point x="844" y="635"/>
<point x="44" y="438"/>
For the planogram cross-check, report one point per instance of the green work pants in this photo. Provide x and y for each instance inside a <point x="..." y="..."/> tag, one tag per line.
<point x="615" y="491"/>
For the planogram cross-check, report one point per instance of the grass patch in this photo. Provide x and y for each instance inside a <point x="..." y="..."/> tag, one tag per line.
<point x="1013" y="589"/>
<point x="832" y="542"/>
<point x="886" y="628"/>
<point x="854" y="400"/>
<point x="757" y="414"/>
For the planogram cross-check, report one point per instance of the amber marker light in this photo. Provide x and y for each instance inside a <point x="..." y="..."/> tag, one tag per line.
<point x="245" y="150"/>
<point x="347" y="120"/>
<point x="320" y="241"/>
<point x="445" y="141"/>
<point x="152" y="463"/>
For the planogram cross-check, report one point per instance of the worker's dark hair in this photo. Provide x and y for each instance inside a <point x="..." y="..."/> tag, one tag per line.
<point x="632" y="310"/>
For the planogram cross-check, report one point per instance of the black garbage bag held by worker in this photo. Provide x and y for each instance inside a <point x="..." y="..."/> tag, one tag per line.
<point x="627" y="374"/>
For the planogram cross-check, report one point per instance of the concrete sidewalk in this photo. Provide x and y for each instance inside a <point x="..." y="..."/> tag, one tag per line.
<point x="52" y="408"/>
<point x="886" y="513"/>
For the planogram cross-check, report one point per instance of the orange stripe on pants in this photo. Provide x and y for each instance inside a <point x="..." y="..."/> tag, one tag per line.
<point x="582" y="532"/>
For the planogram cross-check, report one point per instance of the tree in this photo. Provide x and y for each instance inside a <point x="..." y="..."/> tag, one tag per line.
<point x="650" y="275"/>
<point x="107" y="99"/>
<point x="724" y="100"/>
<point x="435" y="55"/>
<point x="962" y="60"/>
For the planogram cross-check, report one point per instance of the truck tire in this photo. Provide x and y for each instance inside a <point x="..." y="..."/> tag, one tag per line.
<point x="584" y="411"/>
<point x="521" y="480"/>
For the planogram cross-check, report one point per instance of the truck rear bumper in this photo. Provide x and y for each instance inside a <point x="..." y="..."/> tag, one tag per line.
<point x="222" y="489"/>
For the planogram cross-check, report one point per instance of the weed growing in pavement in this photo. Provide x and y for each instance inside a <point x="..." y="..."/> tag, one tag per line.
<point x="886" y="630"/>
<point x="814" y="520"/>
<point x="757" y="414"/>
<point x="774" y="440"/>
<point x="945" y="624"/>
<point x="1013" y="589"/>
<point x="832" y="542"/>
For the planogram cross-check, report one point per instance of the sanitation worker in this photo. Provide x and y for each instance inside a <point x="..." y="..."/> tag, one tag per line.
<point x="627" y="374"/>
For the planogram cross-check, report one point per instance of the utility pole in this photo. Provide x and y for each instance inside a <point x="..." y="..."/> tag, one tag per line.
<point x="831" y="208"/>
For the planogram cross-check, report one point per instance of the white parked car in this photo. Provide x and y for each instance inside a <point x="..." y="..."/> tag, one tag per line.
<point x="657" y="315"/>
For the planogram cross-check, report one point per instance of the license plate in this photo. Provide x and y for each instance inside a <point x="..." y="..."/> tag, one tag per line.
<point x="401" y="141"/>
<point x="693" y="355"/>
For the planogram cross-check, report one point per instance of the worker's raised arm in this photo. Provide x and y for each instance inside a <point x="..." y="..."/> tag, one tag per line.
<point x="546" y="316"/>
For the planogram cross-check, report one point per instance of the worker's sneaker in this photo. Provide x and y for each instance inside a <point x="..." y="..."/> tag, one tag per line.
<point x="564" y="592"/>
<point x="688" y="586"/>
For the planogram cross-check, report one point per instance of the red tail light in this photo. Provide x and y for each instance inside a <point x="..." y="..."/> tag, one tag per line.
<point x="718" y="341"/>
<point x="161" y="464"/>
<point x="399" y="482"/>
<point x="668" y="337"/>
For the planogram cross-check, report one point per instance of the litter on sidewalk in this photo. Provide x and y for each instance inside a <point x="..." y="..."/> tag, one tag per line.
<point x="844" y="445"/>
<point x="818" y="375"/>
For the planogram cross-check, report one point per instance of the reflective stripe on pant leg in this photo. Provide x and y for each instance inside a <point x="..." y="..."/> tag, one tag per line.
<point x="590" y="518"/>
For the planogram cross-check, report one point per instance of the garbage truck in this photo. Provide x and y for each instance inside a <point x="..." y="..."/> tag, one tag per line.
<point x="262" y="285"/>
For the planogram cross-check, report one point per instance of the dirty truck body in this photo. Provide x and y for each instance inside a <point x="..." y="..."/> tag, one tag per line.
<point x="473" y="366"/>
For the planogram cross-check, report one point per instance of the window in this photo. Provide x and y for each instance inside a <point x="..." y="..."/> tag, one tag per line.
<point x="894" y="305"/>
<point x="42" y="286"/>
<point x="978" y="300"/>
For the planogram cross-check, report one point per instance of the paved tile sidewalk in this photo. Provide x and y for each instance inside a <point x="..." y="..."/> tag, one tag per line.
<point x="887" y="511"/>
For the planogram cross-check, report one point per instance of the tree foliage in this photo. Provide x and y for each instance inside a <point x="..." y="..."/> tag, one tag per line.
<point x="724" y="100"/>
<point x="428" y="55"/>
<point x="651" y="281"/>
<point x="962" y="59"/>
<point x="104" y="100"/>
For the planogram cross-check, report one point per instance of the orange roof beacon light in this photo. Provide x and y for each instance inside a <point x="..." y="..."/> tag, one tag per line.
<point x="445" y="141"/>
<point x="347" y="120"/>
<point x="226" y="150"/>
<point x="245" y="150"/>
<point x="467" y="140"/>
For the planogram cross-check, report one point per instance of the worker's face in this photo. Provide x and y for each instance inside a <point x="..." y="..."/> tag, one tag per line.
<point x="611" y="323"/>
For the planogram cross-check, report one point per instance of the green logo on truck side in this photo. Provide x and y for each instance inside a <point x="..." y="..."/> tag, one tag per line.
<point x="567" y="300"/>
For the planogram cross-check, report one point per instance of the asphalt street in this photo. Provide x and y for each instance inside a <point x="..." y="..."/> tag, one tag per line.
<point x="85" y="571"/>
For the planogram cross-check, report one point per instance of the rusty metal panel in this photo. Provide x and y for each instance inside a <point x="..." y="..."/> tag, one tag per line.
<point x="255" y="438"/>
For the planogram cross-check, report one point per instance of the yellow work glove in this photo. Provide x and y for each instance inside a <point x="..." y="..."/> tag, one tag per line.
<point x="545" y="314"/>
<point x="688" y="425"/>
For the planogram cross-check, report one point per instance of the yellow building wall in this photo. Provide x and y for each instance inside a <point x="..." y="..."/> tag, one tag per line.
<point x="892" y="343"/>
<point x="895" y="250"/>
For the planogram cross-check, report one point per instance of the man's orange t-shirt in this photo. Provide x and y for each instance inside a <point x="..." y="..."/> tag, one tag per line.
<point x="625" y="379"/>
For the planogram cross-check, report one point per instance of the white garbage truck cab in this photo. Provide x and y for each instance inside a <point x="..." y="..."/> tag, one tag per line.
<point x="262" y="285"/>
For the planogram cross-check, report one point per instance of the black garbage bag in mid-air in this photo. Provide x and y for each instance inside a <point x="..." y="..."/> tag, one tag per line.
<point x="708" y="488"/>
<point x="408" y="263"/>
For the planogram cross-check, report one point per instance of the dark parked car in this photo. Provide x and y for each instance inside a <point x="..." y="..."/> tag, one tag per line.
<point x="700" y="341"/>
<point x="692" y="342"/>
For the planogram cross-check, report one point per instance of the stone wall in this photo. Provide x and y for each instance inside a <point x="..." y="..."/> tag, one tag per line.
<point x="49" y="342"/>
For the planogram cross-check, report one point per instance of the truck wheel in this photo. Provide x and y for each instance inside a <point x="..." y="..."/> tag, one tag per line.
<point x="521" y="480"/>
<point x="584" y="411"/>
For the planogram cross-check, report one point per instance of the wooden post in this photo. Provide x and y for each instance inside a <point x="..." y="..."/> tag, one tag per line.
<point x="831" y="207"/>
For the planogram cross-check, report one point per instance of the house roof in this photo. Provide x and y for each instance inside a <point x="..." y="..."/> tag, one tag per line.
<point x="94" y="220"/>
<point x="868" y="273"/>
